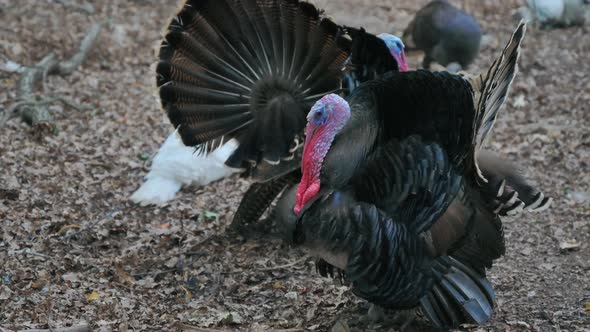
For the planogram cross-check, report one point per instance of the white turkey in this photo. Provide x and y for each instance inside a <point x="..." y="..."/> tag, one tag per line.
<point x="176" y="165"/>
<point x="555" y="13"/>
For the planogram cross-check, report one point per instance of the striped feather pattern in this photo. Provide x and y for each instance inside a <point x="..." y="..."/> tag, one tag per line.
<point x="492" y="89"/>
<point x="250" y="70"/>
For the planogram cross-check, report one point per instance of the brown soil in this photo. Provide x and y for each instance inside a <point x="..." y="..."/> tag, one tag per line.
<point x="73" y="248"/>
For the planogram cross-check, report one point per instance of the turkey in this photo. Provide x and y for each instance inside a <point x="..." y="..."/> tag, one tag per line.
<point x="370" y="57"/>
<point x="446" y="34"/>
<point x="236" y="79"/>
<point x="555" y="13"/>
<point x="392" y="192"/>
<point x="176" y="165"/>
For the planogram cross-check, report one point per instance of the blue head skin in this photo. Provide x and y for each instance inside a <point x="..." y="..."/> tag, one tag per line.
<point x="396" y="48"/>
<point x="325" y="119"/>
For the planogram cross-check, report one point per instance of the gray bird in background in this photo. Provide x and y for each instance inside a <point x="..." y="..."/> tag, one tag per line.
<point x="445" y="33"/>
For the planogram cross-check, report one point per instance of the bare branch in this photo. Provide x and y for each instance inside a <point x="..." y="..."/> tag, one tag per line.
<point x="76" y="328"/>
<point x="86" y="7"/>
<point x="33" y="111"/>
<point x="272" y="268"/>
<point x="68" y="66"/>
<point x="24" y="91"/>
<point x="186" y="327"/>
<point x="30" y="252"/>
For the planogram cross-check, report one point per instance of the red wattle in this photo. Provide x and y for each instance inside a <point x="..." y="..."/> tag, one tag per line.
<point x="305" y="196"/>
<point x="310" y="167"/>
<point x="401" y="61"/>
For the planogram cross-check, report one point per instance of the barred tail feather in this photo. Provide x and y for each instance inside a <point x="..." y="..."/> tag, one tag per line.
<point x="492" y="89"/>
<point x="460" y="295"/>
<point x="510" y="191"/>
<point x="259" y="197"/>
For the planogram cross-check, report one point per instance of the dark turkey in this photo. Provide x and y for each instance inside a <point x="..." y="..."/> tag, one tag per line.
<point x="248" y="71"/>
<point x="370" y="57"/>
<point x="392" y="193"/>
<point x="445" y="33"/>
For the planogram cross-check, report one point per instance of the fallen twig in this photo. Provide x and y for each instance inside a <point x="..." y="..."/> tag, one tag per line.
<point x="272" y="268"/>
<point x="28" y="251"/>
<point x="83" y="230"/>
<point x="36" y="104"/>
<point x="279" y="267"/>
<point x="153" y="273"/>
<point x="34" y="110"/>
<point x="85" y="7"/>
<point x="76" y="328"/>
<point x="186" y="327"/>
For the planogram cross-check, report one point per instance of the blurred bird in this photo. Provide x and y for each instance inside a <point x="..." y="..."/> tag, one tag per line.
<point x="547" y="11"/>
<point x="398" y="199"/>
<point x="237" y="79"/>
<point x="555" y="13"/>
<point x="446" y="34"/>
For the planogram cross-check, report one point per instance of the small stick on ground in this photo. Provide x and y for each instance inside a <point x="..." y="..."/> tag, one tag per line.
<point x="30" y="252"/>
<point x="185" y="327"/>
<point x="34" y="110"/>
<point x="85" y="7"/>
<point x="285" y="266"/>
<point x="76" y="328"/>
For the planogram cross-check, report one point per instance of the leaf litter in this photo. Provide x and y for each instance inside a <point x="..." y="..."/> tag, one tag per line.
<point x="73" y="248"/>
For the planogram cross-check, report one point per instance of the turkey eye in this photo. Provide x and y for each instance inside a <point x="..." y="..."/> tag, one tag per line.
<point x="319" y="116"/>
<point x="399" y="45"/>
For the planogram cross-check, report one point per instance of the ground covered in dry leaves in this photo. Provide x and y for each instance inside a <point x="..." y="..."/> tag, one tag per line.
<point x="73" y="249"/>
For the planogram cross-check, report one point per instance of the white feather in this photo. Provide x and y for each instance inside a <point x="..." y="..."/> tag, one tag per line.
<point x="547" y="10"/>
<point x="176" y="165"/>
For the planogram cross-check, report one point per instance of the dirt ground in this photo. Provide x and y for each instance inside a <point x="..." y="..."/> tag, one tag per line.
<point x="74" y="249"/>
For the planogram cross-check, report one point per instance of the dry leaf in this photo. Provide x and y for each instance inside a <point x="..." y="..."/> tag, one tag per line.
<point x="519" y="101"/>
<point x="123" y="276"/>
<point x="93" y="296"/>
<point x="84" y="174"/>
<point x="569" y="244"/>
<point x="64" y="229"/>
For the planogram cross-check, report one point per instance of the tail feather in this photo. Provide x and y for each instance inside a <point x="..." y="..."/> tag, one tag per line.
<point x="507" y="188"/>
<point x="460" y="295"/>
<point x="259" y="197"/>
<point x="491" y="90"/>
<point x="248" y="69"/>
<point x="193" y="75"/>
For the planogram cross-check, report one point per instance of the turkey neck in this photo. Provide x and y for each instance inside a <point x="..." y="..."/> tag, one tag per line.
<point x="351" y="145"/>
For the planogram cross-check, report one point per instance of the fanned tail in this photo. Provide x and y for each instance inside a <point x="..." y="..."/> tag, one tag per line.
<point x="247" y="69"/>
<point x="492" y="89"/>
<point x="459" y="295"/>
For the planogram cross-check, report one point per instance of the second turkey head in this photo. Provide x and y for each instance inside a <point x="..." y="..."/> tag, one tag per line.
<point x="396" y="48"/>
<point x="325" y="119"/>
